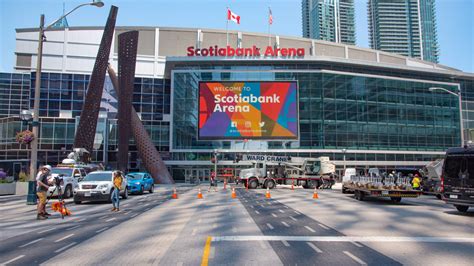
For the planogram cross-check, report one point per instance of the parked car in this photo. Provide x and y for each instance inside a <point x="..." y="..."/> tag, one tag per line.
<point x="98" y="186"/>
<point x="139" y="182"/>
<point x="70" y="176"/>
<point x="457" y="180"/>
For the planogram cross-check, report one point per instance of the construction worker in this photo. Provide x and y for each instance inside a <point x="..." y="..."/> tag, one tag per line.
<point x="416" y="182"/>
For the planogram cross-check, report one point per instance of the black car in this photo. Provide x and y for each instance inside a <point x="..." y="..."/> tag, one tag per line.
<point x="458" y="178"/>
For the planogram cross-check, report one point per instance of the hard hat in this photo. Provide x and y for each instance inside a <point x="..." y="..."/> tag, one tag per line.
<point x="47" y="167"/>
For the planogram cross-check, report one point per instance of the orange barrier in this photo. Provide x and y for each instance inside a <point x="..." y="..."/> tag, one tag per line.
<point x="315" y="194"/>
<point x="175" y="194"/>
<point x="199" y="194"/>
<point x="234" y="195"/>
<point x="267" y="195"/>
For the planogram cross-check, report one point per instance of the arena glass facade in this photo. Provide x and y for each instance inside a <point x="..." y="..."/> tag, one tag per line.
<point x="363" y="115"/>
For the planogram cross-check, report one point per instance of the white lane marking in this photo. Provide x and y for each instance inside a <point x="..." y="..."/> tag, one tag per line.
<point x="47" y="230"/>
<point x="323" y="226"/>
<point x="32" y="242"/>
<point x="135" y="215"/>
<point x="285" y="206"/>
<point x="313" y="246"/>
<point x="357" y="244"/>
<point x="61" y="239"/>
<point x="352" y="256"/>
<point x="274" y="215"/>
<point x="111" y="219"/>
<point x="297" y="212"/>
<point x="285" y="243"/>
<point x="251" y="206"/>
<point x="212" y="253"/>
<point x="309" y="228"/>
<point x="65" y="247"/>
<point x="270" y="226"/>
<point x="12" y="260"/>
<point x="282" y="211"/>
<point x="194" y="232"/>
<point x="146" y="204"/>
<point x="101" y="230"/>
<point x="74" y="227"/>
<point x="257" y="212"/>
<point x="347" y="239"/>
<point x="83" y="219"/>
<point x="262" y="206"/>
<point x="293" y="218"/>
<point x="285" y="224"/>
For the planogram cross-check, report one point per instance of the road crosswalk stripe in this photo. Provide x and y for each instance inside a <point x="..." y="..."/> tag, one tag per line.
<point x="361" y="239"/>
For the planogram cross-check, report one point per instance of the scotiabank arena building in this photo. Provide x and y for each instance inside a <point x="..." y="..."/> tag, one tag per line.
<point x="200" y="90"/>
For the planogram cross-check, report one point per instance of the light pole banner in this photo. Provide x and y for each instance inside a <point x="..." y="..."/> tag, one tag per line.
<point x="248" y="110"/>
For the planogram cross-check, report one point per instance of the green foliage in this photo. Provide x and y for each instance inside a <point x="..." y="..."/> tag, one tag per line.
<point x="22" y="177"/>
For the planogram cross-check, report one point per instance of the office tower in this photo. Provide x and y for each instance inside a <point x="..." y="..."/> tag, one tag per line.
<point x="329" y="20"/>
<point x="406" y="27"/>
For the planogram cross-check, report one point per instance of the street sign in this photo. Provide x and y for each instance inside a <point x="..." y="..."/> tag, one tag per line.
<point x="265" y="158"/>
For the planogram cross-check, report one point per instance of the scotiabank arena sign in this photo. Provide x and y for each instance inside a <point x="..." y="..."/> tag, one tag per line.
<point x="253" y="51"/>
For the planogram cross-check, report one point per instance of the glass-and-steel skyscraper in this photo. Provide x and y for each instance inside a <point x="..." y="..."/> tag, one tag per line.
<point x="406" y="27"/>
<point x="329" y="20"/>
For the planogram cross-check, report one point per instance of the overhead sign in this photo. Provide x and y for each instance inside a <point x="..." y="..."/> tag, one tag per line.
<point x="266" y="158"/>
<point x="253" y="51"/>
<point x="248" y="110"/>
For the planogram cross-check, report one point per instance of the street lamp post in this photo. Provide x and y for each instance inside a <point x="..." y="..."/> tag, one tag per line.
<point x="31" y="199"/>
<point x="458" y="94"/>
<point x="344" y="158"/>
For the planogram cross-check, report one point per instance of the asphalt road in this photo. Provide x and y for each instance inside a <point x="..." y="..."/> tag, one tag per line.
<point x="38" y="241"/>
<point x="291" y="228"/>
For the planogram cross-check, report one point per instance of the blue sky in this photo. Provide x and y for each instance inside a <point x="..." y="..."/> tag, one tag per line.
<point x="455" y="20"/>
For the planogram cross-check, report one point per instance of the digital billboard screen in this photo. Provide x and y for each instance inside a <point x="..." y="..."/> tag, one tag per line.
<point x="248" y="110"/>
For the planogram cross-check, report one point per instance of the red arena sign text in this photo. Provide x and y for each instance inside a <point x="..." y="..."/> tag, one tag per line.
<point x="251" y="51"/>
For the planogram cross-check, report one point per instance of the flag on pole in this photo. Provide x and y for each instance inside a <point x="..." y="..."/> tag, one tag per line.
<point x="232" y="16"/>
<point x="270" y="16"/>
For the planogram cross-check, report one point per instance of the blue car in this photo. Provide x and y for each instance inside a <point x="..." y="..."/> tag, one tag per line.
<point x="140" y="182"/>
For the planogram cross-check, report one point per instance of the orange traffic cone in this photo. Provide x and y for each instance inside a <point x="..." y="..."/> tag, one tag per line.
<point x="267" y="195"/>
<point x="175" y="194"/>
<point x="233" y="193"/>
<point x="315" y="194"/>
<point x="199" y="194"/>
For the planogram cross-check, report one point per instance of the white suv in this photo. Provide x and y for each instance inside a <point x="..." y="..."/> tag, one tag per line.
<point x="70" y="175"/>
<point x="98" y="186"/>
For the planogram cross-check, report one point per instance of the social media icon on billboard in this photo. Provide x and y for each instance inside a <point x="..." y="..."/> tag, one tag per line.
<point x="248" y="124"/>
<point x="261" y="124"/>
<point x="233" y="124"/>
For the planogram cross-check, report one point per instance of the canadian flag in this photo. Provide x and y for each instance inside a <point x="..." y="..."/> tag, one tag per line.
<point x="232" y="16"/>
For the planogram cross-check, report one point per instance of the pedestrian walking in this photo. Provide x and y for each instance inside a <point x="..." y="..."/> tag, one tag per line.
<point x="42" y="187"/>
<point x="213" y="182"/>
<point x="416" y="182"/>
<point x="118" y="180"/>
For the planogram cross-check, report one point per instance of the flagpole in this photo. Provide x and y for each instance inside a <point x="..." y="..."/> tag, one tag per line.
<point x="227" y="27"/>
<point x="269" y="36"/>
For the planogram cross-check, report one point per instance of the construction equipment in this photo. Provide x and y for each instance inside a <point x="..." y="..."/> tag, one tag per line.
<point x="306" y="172"/>
<point x="392" y="186"/>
